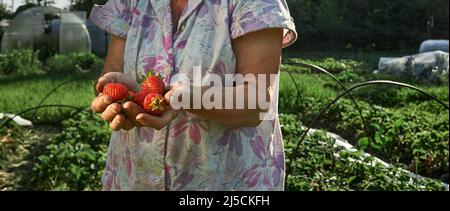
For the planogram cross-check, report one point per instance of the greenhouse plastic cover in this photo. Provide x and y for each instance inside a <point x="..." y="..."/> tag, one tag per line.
<point x="434" y="45"/>
<point x="74" y="35"/>
<point x="430" y="66"/>
<point x="28" y="29"/>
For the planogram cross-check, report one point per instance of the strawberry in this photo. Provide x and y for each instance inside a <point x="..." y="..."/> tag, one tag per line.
<point x="139" y="98"/>
<point x="155" y="104"/>
<point x="131" y="94"/>
<point x="154" y="84"/>
<point x="116" y="91"/>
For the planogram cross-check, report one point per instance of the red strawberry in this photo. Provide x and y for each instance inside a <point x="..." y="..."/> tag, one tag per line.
<point x="154" y="84"/>
<point x="116" y="91"/>
<point x="140" y="97"/>
<point x="155" y="104"/>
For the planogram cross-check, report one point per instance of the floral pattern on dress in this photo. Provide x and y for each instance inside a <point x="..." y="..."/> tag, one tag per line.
<point x="192" y="153"/>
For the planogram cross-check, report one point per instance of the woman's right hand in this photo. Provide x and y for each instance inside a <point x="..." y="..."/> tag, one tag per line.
<point x="112" y="112"/>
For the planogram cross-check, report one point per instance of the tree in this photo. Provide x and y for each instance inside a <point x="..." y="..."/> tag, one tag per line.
<point x="23" y="8"/>
<point x="32" y="3"/>
<point x="4" y="12"/>
<point x="40" y="2"/>
<point x="85" y="5"/>
<point x="362" y="24"/>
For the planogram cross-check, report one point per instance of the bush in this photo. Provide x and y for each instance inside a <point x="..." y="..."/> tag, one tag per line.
<point x="413" y="137"/>
<point x="322" y="166"/>
<point x="75" y="159"/>
<point x="73" y="63"/>
<point x="23" y="62"/>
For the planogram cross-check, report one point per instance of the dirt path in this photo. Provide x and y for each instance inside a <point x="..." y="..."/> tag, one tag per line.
<point x="22" y="156"/>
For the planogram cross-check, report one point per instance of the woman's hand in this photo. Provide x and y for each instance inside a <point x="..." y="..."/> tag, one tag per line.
<point x="139" y="115"/>
<point x="117" y="77"/>
<point x="112" y="112"/>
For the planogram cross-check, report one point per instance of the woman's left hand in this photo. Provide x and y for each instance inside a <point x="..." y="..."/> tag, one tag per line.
<point x="142" y="119"/>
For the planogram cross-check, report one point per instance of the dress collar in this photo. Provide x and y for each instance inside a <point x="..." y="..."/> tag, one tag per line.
<point x="162" y="10"/>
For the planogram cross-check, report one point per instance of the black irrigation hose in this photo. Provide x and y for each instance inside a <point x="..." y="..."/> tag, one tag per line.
<point x="39" y="107"/>
<point x="366" y="128"/>
<point x="322" y="112"/>
<point x="53" y="91"/>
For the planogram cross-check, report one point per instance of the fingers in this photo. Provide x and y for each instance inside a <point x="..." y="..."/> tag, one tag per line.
<point x="129" y="124"/>
<point x="102" y="81"/>
<point x="176" y="97"/>
<point x="151" y="121"/>
<point x="118" y="122"/>
<point x="111" y="112"/>
<point x="100" y="103"/>
<point x="168" y="95"/>
<point x="121" y="122"/>
<point x="117" y="77"/>
<point x="131" y="110"/>
<point x="157" y="122"/>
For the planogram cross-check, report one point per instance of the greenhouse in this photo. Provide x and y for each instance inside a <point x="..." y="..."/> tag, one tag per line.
<point x="47" y="29"/>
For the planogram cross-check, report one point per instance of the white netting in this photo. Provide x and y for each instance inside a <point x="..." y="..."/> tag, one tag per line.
<point x="430" y="66"/>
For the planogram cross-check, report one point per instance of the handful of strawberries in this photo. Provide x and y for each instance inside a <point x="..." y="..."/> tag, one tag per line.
<point x="151" y="96"/>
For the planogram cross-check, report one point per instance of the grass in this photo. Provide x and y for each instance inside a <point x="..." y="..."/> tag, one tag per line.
<point x="19" y="93"/>
<point x="368" y="58"/>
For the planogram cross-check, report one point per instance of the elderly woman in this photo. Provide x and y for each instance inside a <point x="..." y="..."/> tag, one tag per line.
<point x="193" y="149"/>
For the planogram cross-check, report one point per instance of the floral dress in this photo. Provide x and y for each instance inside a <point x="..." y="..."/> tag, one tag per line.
<point x="193" y="153"/>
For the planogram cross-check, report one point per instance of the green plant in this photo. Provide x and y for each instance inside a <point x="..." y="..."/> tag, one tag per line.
<point x="23" y="62"/>
<point x="412" y="137"/>
<point x="331" y="64"/>
<point x="324" y="166"/>
<point x="73" y="63"/>
<point x="368" y="25"/>
<point x="4" y="12"/>
<point x="75" y="159"/>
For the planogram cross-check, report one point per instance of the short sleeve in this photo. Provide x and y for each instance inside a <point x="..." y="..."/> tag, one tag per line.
<point x="114" y="17"/>
<point x="251" y="16"/>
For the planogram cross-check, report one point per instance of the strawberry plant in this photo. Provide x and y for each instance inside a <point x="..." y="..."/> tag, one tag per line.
<point x="402" y="126"/>
<point x="75" y="159"/>
<point x="323" y="166"/>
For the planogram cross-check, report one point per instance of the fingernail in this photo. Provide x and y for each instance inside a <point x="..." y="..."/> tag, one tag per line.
<point x="140" y="118"/>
